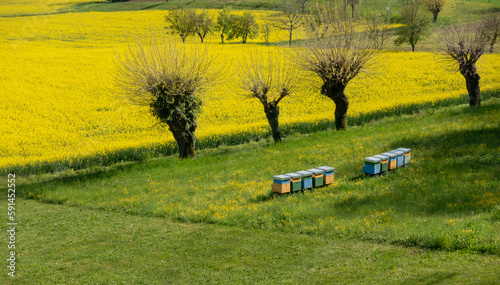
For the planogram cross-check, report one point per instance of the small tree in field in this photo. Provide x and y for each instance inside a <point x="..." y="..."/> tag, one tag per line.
<point x="337" y="58"/>
<point x="244" y="27"/>
<point x="168" y="78"/>
<point x="416" y="24"/>
<point x="203" y="25"/>
<point x="182" y="22"/>
<point x="223" y="23"/>
<point x="289" y="19"/>
<point x="269" y="80"/>
<point x="378" y="26"/>
<point x="493" y="29"/>
<point x="465" y="44"/>
<point x="435" y="7"/>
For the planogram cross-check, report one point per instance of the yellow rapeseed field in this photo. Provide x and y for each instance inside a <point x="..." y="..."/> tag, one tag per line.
<point x="59" y="101"/>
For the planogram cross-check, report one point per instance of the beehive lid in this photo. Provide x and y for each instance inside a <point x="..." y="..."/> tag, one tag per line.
<point x="372" y="159"/>
<point x="304" y="173"/>
<point x="315" y="171"/>
<point x="390" y="154"/>
<point x="398" y="152"/>
<point x="382" y="156"/>
<point x="326" y="168"/>
<point x="294" y="175"/>
<point x="281" y="177"/>
<point x="406" y="150"/>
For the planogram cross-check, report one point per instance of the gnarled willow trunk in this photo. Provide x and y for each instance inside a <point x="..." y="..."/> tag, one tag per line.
<point x="272" y="114"/>
<point x="179" y="113"/>
<point x="336" y="93"/>
<point x="472" y="82"/>
<point x="184" y="136"/>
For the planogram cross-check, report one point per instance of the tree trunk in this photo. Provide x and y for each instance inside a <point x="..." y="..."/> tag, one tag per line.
<point x="435" y="16"/>
<point x="473" y="89"/>
<point x="222" y="37"/>
<point x="185" y="139"/>
<point x="412" y="48"/>
<point x="290" y="38"/>
<point x="493" y="40"/>
<point x="336" y="93"/>
<point x="272" y="114"/>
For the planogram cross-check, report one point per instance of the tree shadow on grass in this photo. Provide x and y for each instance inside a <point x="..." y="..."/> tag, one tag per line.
<point x="78" y="178"/>
<point x="441" y="178"/>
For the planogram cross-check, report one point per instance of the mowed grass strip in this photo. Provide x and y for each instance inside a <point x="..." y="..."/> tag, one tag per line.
<point x="447" y="199"/>
<point x="58" y="244"/>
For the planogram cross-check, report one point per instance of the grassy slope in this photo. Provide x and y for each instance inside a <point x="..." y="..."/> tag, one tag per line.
<point x="448" y="199"/>
<point x="69" y="245"/>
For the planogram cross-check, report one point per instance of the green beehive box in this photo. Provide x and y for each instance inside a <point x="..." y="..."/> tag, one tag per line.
<point x="295" y="182"/>
<point x="317" y="177"/>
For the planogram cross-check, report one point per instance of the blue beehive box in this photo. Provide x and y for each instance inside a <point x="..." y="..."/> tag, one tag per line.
<point x="306" y="179"/>
<point x="400" y="157"/>
<point x="328" y="173"/>
<point x="407" y="154"/>
<point x="372" y="165"/>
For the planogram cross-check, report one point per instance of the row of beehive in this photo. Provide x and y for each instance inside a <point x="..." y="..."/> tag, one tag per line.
<point x="301" y="180"/>
<point x="390" y="160"/>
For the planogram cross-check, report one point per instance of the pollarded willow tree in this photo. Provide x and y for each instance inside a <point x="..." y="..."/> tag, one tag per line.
<point x="269" y="79"/>
<point x="465" y="44"/>
<point x="168" y="77"/>
<point x="337" y="57"/>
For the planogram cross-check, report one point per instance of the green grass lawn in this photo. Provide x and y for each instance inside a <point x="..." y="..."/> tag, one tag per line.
<point x="58" y="244"/>
<point x="215" y="216"/>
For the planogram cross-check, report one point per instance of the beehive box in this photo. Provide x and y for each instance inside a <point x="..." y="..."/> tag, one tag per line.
<point x="317" y="177"/>
<point x="328" y="174"/>
<point x="400" y="157"/>
<point x="307" y="182"/>
<point x="372" y="165"/>
<point x="384" y="162"/>
<point x="281" y="184"/>
<point x="392" y="160"/>
<point x="407" y="155"/>
<point x="295" y="182"/>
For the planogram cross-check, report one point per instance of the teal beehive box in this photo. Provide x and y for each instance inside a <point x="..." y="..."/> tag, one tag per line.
<point x="407" y="155"/>
<point x="328" y="174"/>
<point x="384" y="162"/>
<point x="295" y="182"/>
<point x="317" y="177"/>
<point x="400" y="157"/>
<point x="307" y="182"/>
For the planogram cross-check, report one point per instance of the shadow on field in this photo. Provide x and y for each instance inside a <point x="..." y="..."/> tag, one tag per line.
<point x="79" y="178"/>
<point x="451" y="172"/>
<point x="433" y="278"/>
